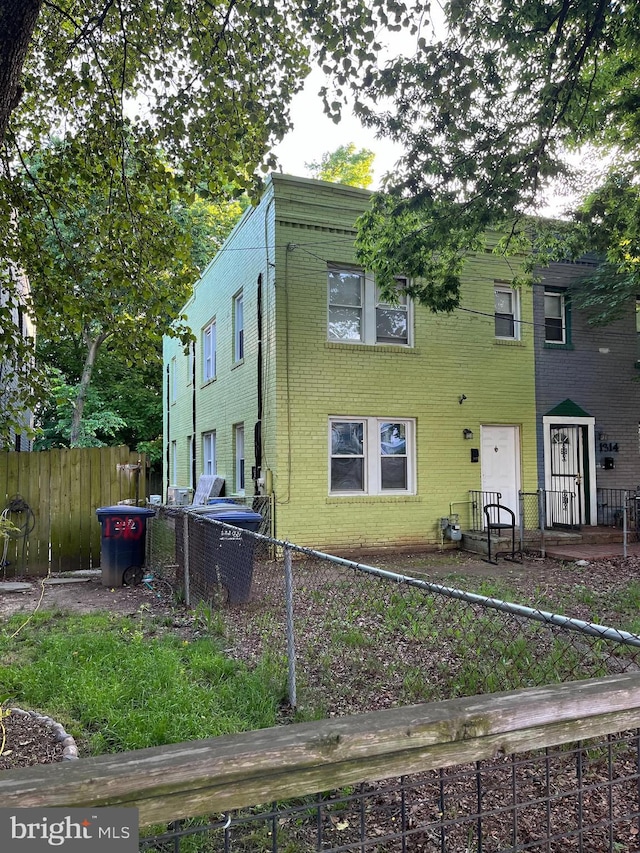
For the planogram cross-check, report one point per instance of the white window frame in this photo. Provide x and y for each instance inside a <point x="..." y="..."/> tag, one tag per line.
<point x="373" y="457"/>
<point x="238" y="327"/>
<point x="209" y="458"/>
<point x="369" y="307"/>
<point x="514" y="313"/>
<point x="240" y="475"/>
<point x="562" y="296"/>
<point x="209" y="352"/>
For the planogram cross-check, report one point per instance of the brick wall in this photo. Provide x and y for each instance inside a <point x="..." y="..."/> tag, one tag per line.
<point x="597" y="371"/>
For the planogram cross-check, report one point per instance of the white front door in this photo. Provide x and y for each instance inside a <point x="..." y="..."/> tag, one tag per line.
<point x="500" y="468"/>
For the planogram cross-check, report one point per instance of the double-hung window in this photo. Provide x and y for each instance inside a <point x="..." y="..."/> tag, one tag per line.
<point x="392" y="318"/>
<point x="371" y="456"/>
<point x="555" y="317"/>
<point x="507" y="313"/>
<point x="358" y="314"/>
<point x="238" y="327"/>
<point x="209" y="453"/>
<point x="209" y="353"/>
<point x="346" y="305"/>
<point x="239" y="457"/>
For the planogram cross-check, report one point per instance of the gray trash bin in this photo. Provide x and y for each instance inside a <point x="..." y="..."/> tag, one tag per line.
<point x="231" y="551"/>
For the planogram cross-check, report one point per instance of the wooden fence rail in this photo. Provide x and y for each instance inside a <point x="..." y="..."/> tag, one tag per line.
<point x="235" y="771"/>
<point x="63" y="489"/>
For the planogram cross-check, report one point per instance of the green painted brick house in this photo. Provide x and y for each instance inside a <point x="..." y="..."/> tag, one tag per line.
<point x="368" y="422"/>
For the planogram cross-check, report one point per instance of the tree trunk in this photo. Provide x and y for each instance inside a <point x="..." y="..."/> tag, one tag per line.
<point x="17" y="23"/>
<point x="93" y="345"/>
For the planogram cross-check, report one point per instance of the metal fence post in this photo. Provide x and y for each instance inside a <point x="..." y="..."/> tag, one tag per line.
<point x="187" y="592"/>
<point x="542" y="515"/>
<point x="291" y="646"/>
<point x="625" y="515"/>
<point x="522" y="508"/>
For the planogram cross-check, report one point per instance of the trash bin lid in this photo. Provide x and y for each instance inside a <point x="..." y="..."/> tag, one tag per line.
<point x="223" y="507"/>
<point x="121" y="509"/>
<point x="232" y="515"/>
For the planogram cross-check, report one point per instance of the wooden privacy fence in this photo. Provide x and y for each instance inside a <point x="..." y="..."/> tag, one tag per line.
<point x="60" y="491"/>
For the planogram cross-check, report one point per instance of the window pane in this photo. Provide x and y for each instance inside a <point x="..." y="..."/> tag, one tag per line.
<point x="345" y="324"/>
<point x="347" y="438"/>
<point x="553" y="305"/>
<point x="239" y="328"/>
<point x="393" y="472"/>
<point x="347" y="475"/>
<point x="553" y="330"/>
<point x="402" y="296"/>
<point x="393" y="439"/>
<point x="504" y="303"/>
<point x="391" y="325"/>
<point x="505" y="327"/>
<point x="345" y="288"/>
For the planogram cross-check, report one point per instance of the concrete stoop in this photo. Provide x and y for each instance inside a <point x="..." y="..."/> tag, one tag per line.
<point x="475" y="541"/>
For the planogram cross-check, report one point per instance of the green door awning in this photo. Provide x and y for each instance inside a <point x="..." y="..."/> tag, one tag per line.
<point x="568" y="409"/>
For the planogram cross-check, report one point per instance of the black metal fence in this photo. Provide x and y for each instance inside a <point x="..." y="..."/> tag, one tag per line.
<point x="579" y="797"/>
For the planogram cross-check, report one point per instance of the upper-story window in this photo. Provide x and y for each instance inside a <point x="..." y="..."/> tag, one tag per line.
<point x="209" y="353"/>
<point x="357" y="313"/>
<point x="392" y="318"/>
<point x="555" y="317"/>
<point x="238" y="327"/>
<point x="507" y="313"/>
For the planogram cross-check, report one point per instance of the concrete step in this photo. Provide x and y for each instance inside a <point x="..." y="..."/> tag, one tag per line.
<point x="476" y="541"/>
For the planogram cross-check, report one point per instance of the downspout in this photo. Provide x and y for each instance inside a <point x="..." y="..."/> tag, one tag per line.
<point x="257" y="434"/>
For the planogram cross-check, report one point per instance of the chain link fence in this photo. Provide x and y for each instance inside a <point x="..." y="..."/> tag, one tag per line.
<point x="352" y="637"/>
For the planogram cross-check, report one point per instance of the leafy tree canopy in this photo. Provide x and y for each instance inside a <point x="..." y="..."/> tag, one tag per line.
<point x="345" y="165"/>
<point x="206" y="83"/>
<point x="495" y="111"/>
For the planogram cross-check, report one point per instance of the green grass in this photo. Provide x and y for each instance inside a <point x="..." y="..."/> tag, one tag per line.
<point x="116" y="686"/>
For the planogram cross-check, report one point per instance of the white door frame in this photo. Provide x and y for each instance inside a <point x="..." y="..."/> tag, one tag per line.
<point x="590" y="423"/>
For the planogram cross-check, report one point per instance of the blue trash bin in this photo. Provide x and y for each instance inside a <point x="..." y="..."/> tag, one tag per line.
<point x="232" y="551"/>
<point x="123" y="541"/>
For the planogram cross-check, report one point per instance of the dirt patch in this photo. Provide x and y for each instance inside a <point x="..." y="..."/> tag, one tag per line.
<point x="74" y="595"/>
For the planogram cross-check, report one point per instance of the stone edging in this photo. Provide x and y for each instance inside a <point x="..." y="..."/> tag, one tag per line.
<point x="70" y="748"/>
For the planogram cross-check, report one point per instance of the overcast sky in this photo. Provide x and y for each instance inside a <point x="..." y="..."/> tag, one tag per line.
<point x="314" y="134"/>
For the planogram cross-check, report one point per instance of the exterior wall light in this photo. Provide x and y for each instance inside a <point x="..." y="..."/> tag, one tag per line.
<point x="467" y="433"/>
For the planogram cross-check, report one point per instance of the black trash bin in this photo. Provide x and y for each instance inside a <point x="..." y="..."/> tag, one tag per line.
<point x="123" y="541"/>
<point x="232" y="552"/>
